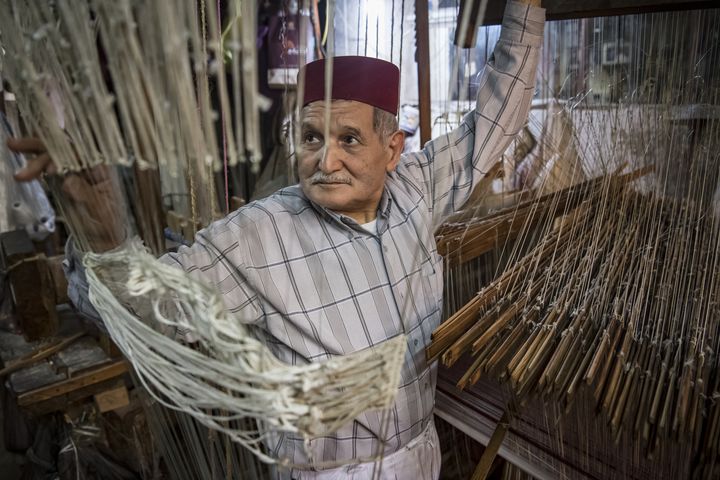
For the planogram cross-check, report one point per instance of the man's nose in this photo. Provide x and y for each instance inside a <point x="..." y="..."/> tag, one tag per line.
<point x="331" y="159"/>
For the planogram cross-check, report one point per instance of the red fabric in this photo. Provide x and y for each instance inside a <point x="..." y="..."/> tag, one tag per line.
<point x="363" y="79"/>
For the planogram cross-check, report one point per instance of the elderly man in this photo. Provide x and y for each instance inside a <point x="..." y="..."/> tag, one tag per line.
<point x="347" y="258"/>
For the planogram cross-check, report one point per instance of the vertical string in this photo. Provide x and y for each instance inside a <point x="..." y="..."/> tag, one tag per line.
<point x="222" y="118"/>
<point x="377" y="37"/>
<point x="402" y="33"/>
<point x="190" y="171"/>
<point x="330" y="52"/>
<point x="357" y="45"/>
<point x="366" y="30"/>
<point x="392" y="30"/>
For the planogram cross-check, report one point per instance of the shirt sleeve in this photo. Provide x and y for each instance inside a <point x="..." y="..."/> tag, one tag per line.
<point x="215" y="258"/>
<point x="450" y="166"/>
<point x="219" y="259"/>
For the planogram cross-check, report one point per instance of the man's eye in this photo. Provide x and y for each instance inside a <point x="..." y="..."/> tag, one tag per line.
<point x="310" y="138"/>
<point x="350" y="140"/>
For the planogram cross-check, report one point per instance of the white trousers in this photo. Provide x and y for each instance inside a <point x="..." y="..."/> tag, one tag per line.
<point x="418" y="460"/>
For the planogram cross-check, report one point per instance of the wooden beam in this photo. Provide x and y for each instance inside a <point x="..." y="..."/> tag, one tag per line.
<point x="89" y="378"/>
<point x="39" y="354"/>
<point x="31" y="285"/>
<point x="422" y="57"/>
<point x="567" y="9"/>
<point x="491" y="450"/>
<point x="59" y="282"/>
<point x="63" y="402"/>
<point x="112" y="399"/>
<point x="468" y="41"/>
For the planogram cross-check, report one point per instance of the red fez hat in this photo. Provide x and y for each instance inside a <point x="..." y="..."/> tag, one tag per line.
<point x="363" y="79"/>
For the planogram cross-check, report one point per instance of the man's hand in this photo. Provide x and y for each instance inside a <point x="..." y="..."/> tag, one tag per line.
<point x="93" y="200"/>
<point x="41" y="163"/>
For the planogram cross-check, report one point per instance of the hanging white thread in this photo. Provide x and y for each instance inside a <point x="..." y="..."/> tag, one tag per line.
<point x="238" y="374"/>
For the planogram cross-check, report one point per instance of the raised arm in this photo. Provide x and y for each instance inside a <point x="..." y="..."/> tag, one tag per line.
<point x="450" y="166"/>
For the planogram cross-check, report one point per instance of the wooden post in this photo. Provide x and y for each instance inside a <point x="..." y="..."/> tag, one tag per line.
<point x="491" y="450"/>
<point x="422" y="57"/>
<point x="567" y="9"/>
<point x="31" y="284"/>
<point x="39" y="354"/>
<point x="59" y="282"/>
<point x="151" y="219"/>
<point x="91" y="377"/>
<point x="112" y="399"/>
<point x="468" y="41"/>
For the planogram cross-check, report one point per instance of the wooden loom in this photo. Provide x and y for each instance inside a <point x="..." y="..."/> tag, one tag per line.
<point x="517" y="223"/>
<point x="601" y="295"/>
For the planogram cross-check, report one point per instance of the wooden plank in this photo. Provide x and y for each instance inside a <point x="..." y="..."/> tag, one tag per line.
<point x="112" y="399"/>
<point x="694" y="111"/>
<point x="81" y="356"/>
<point x="59" y="282"/>
<point x="479" y="424"/>
<point x="150" y="220"/>
<point x="471" y="35"/>
<point x="33" y="378"/>
<point x="422" y="57"/>
<point x="31" y="285"/>
<point x="88" y="378"/>
<point x="13" y="346"/>
<point x="16" y="245"/>
<point x="39" y="354"/>
<point x="63" y="402"/>
<point x="567" y="9"/>
<point x="491" y="450"/>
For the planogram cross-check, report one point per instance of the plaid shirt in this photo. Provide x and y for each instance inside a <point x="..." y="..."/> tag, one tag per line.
<point x="317" y="285"/>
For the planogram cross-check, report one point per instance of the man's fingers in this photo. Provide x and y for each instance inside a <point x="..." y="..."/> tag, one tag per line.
<point x="26" y="145"/>
<point x="35" y="167"/>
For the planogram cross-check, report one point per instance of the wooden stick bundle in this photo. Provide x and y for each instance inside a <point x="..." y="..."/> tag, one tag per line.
<point x="616" y="297"/>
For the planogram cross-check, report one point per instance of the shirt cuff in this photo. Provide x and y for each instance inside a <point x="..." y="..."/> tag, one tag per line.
<point x="523" y="24"/>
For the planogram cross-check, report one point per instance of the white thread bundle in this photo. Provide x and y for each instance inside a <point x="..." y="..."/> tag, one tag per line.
<point x="132" y="83"/>
<point x="238" y="374"/>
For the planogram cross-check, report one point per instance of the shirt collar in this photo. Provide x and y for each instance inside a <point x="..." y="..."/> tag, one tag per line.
<point x="348" y="223"/>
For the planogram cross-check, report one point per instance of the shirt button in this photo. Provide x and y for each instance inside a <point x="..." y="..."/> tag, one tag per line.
<point x="415" y="342"/>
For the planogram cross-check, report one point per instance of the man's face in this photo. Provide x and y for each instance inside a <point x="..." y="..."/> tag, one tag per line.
<point x="345" y="173"/>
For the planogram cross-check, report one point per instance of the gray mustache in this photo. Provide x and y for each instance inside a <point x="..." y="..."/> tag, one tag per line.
<point x="320" y="177"/>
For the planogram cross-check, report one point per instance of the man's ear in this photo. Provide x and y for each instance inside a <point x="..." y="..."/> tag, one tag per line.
<point x="396" y="143"/>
